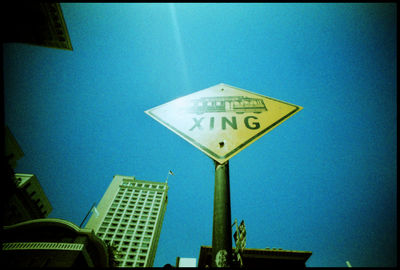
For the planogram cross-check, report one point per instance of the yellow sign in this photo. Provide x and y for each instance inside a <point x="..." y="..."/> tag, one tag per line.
<point x="222" y="120"/>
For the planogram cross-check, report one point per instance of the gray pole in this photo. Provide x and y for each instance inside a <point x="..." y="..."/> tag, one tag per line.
<point x="80" y="226"/>
<point x="222" y="230"/>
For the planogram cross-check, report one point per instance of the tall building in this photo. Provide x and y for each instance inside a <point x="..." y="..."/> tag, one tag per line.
<point x="129" y="217"/>
<point x="28" y="202"/>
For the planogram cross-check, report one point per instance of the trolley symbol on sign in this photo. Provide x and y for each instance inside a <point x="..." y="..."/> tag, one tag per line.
<point x="237" y="104"/>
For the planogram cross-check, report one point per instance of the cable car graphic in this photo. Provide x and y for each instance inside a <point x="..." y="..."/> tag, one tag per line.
<point x="237" y="104"/>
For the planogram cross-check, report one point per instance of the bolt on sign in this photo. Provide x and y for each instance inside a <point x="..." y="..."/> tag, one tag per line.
<point x="222" y="120"/>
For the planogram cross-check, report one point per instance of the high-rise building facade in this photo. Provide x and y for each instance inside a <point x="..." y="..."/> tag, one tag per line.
<point x="129" y="217"/>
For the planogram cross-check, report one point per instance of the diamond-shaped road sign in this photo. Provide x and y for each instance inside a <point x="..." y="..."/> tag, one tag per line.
<point x="222" y="120"/>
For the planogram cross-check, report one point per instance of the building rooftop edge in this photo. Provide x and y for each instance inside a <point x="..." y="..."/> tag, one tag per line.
<point x="269" y="249"/>
<point x="140" y="180"/>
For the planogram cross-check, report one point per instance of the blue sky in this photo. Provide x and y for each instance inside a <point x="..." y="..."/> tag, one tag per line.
<point x="323" y="181"/>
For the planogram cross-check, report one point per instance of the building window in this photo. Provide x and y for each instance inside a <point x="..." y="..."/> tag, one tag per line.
<point x="126" y="243"/>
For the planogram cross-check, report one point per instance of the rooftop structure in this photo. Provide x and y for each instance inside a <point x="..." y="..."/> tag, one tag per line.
<point x="253" y="257"/>
<point x="52" y="242"/>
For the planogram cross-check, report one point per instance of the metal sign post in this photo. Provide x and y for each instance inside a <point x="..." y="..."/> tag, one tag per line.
<point x="222" y="231"/>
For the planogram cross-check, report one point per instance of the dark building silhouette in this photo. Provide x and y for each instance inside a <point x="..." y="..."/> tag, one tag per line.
<point x="52" y="242"/>
<point x="37" y="23"/>
<point x="27" y="202"/>
<point x="31" y="240"/>
<point x="253" y="257"/>
<point x="23" y="196"/>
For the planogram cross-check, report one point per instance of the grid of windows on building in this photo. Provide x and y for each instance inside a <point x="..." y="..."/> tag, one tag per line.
<point x="131" y="222"/>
